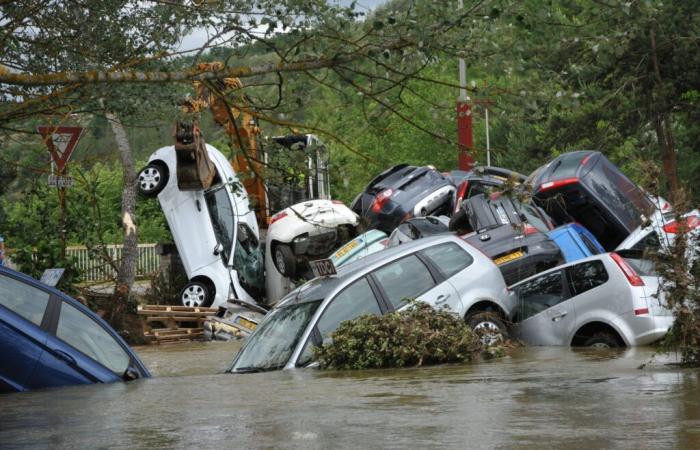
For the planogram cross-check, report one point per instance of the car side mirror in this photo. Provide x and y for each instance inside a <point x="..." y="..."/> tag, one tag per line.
<point x="131" y="374"/>
<point x="218" y="248"/>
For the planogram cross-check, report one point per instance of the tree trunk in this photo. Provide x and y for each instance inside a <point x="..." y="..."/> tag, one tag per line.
<point x="662" y="124"/>
<point x="127" y="268"/>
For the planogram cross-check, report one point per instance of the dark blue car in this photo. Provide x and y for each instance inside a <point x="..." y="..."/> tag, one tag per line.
<point x="49" y="339"/>
<point x="575" y="242"/>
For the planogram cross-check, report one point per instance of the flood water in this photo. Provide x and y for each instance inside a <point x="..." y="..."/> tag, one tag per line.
<point x="535" y="398"/>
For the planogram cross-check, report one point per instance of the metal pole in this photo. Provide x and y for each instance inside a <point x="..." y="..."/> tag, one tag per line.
<point x="462" y="68"/>
<point x="465" y="137"/>
<point x="488" y="143"/>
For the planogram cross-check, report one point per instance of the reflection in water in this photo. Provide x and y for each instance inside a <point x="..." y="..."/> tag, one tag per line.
<point x="536" y="398"/>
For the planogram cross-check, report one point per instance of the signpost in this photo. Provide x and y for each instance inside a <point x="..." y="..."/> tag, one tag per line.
<point x="61" y="141"/>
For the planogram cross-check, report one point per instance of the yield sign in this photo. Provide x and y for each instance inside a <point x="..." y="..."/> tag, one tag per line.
<point x="61" y="142"/>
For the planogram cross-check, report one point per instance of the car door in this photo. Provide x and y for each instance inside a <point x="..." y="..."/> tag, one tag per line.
<point x="454" y="263"/>
<point x="360" y="297"/>
<point x="22" y="311"/>
<point x="411" y="278"/>
<point x="544" y="313"/>
<point x="79" y="350"/>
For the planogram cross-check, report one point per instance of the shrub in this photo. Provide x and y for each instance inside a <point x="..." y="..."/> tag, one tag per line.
<point x="419" y="335"/>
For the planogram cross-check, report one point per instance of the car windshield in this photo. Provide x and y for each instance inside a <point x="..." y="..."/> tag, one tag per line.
<point x="272" y="344"/>
<point x="222" y="218"/>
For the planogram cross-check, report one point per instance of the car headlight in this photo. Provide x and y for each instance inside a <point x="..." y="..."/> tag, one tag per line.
<point x="300" y="244"/>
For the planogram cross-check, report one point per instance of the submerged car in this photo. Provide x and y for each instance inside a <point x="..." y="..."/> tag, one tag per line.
<point x="585" y="187"/>
<point x="604" y="301"/>
<point x="49" y="339"/>
<point x="215" y="230"/>
<point x="512" y="233"/>
<point x="438" y="270"/>
<point x="365" y="244"/>
<point x="575" y="242"/>
<point x="301" y="233"/>
<point x="402" y="192"/>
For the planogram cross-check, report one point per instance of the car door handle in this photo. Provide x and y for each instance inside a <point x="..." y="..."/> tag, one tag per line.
<point x="559" y="316"/>
<point x="442" y="298"/>
<point x="60" y="354"/>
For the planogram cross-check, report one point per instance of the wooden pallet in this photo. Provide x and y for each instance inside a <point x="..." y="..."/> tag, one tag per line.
<point x="173" y="319"/>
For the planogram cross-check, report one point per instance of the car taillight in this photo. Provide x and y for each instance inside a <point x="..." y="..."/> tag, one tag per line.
<point x="691" y="223"/>
<point x="278" y="216"/>
<point x="585" y="160"/>
<point x="641" y="311"/>
<point x="380" y="200"/>
<point x="529" y="229"/>
<point x="461" y="192"/>
<point x="337" y="202"/>
<point x="557" y="183"/>
<point x="384" y="242"/>
<point x="632" y="277"/>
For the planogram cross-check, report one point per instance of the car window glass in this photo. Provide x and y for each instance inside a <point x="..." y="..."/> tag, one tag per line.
<point x="25" y="300"/>
<point x="586" y="276"/>
<point x="450" y="258"/>
<point x="86" y="335"/>
<point x="404" y="279"/>
<point x="222" y="218"/>
<point x="649" y="242"/>
<point x="352" y="302"/>
<point x="589" y="245"/>
<point x="533" y="218"/>
<point x="539" y="294"/>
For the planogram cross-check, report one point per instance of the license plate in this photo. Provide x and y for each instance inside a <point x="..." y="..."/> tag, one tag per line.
<point x="345" y="249"/>
<point x="509" y="257"/>
<point x="242" y="321"/>
<point x="323" y="267"/>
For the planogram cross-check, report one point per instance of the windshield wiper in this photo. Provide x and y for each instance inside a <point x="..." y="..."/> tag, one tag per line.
<point x="255" y="369"/>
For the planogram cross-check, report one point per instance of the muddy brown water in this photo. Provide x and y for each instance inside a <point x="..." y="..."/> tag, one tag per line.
<point x="535" y="398"/>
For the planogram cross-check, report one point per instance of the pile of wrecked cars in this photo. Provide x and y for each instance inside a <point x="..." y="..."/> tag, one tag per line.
<point x="568" y="244"/>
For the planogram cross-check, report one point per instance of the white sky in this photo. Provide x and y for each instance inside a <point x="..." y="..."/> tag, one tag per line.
<point x="199" y="37"/>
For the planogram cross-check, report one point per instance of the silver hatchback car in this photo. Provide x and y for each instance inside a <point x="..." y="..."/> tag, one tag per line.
<point x="439" y="270"/>
<point x="603" y="301"/>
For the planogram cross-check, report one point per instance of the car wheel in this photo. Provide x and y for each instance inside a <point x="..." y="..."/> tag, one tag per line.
<point x="195" y="293"/>
<point x="489" y="327"/>
<point x="284" y="260"/>
<point x="152" y="179"/>
<point x="602" y="340"/>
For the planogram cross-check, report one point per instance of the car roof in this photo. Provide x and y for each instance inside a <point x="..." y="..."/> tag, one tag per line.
<point x="566" y="165"/>
<point x="319" y="288"/>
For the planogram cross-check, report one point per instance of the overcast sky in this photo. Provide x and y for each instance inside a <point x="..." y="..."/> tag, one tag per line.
<point x="199" y="37"/>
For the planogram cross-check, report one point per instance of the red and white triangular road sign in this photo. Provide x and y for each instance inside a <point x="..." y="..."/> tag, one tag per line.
<point x="61" y="142"/>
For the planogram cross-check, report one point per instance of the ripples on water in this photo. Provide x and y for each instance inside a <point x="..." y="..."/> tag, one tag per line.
<point x="535" y="398"/>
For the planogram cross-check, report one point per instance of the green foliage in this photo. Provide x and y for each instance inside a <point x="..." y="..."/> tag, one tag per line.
<point x="679" y="269"/>
<point x="419" y="335"/>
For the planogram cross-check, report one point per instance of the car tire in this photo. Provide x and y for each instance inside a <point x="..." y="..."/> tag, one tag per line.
<point x="284" y="260"/>
<point x="489" y="327"/>
<point x="602" y="341"/>
<point x="196" y="293"/>
<point x="152" y="179"/>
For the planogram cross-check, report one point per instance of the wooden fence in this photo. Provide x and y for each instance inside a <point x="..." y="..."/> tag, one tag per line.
<point x="94" y="268"/>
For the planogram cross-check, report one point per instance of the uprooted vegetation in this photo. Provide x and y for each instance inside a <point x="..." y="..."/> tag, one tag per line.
<point x="417" y="336"/>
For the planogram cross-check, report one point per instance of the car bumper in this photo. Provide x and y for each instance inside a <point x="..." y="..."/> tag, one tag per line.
<point x="647" y="329"/>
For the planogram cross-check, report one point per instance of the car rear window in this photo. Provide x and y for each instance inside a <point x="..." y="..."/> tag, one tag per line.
<point x="616" y="191"/>
<point x="567" y="165"/>
<point x="450" y="258"/>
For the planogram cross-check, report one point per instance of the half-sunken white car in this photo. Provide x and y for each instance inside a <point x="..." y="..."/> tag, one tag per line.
<point x="604" y="301"/>
<point x="214" y="229"/>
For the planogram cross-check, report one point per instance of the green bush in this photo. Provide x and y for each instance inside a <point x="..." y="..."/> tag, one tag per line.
<point x="419" y="335"/>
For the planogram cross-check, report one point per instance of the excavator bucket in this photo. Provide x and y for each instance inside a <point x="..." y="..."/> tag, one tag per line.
<point x="195" y="171"/>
